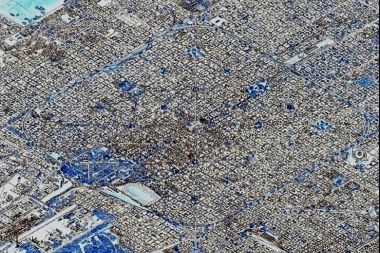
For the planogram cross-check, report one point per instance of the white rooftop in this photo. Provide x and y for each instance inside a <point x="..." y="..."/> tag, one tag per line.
<point x="103" y="3"/>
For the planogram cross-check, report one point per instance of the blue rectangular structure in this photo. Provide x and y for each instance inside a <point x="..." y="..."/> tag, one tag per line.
<point x="27" y="11"/>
